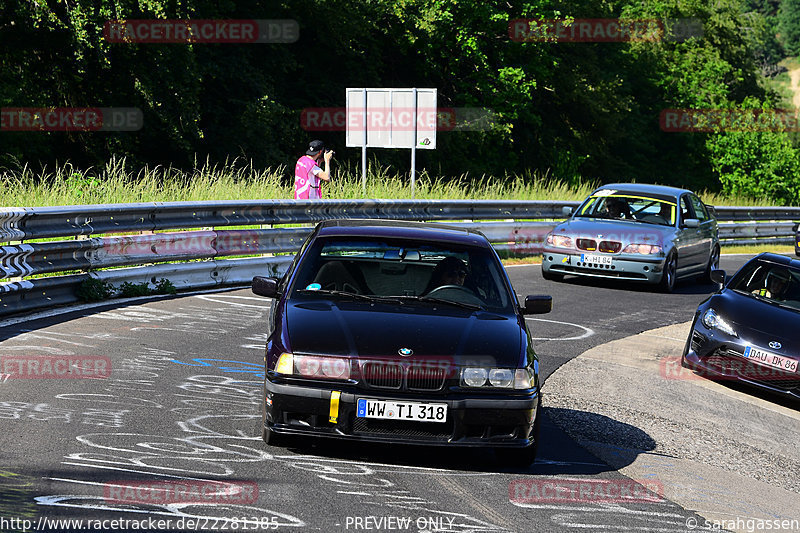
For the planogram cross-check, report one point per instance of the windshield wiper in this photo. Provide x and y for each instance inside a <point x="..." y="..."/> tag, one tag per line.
<point x="351" y="295"/>
<point x="472" y="307"/>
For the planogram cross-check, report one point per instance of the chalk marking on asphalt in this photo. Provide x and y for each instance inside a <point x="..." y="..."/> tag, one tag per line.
<point x="265" y="304"/>
<point x="393" y="467"/>
<point x="587" y="332"/>
<point x="113" y="303"/>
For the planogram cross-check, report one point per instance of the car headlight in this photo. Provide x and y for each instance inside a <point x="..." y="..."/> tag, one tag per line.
<point x="474" y="377"/>
<point x="559" y="241"/>
<point x="645" y="249"/>
<point x="313" y="366"/>
<point x="523" y="378"/>
<point x="501" y="378"/>
<point x="712" y="320"/>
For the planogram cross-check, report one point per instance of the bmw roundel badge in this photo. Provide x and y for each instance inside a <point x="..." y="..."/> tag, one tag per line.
<point x="405" y="352"/>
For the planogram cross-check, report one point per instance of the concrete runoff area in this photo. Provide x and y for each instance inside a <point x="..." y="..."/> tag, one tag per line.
<point x="718" y="451"/>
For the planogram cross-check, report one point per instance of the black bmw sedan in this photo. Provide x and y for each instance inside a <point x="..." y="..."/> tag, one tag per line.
<point x="748" y="331"/>
<point x="393" y="331"/>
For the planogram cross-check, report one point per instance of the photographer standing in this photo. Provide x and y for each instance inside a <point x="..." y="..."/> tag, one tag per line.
<point x="308" y="176"/>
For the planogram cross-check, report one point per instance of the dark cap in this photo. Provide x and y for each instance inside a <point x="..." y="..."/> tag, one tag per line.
<point x="314" y="147"/>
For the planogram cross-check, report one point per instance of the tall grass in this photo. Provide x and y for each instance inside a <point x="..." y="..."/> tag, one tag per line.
<point x="116" y="182"/>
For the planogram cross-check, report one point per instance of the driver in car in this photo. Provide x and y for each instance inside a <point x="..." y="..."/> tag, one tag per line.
<point x="775" y="285"/>
<point x="449" y="271"/>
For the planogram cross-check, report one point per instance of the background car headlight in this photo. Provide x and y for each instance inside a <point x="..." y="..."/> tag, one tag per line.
<point x="501" y="377"/>
<point x="312" y="366"/>
<point x="712" y="320"/>
<point x="559" y="241"/>
<point x="646" y="249"/>
<point x="474" y="377"/>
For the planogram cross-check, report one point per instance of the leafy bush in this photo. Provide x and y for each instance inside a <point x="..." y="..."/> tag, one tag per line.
<point x="165" y="286"/>
<point x="131" y="290"/>
<point x="756" y="164"/>
<point x="93" y="290"/>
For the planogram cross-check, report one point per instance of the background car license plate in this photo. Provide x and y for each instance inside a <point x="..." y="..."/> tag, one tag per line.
<point x="413" y="411"/>
<point x="596" y="259"/>
<point x="770" y="359"/>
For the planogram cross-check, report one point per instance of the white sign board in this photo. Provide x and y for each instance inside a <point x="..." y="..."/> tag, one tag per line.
<point x="391" y="118"/>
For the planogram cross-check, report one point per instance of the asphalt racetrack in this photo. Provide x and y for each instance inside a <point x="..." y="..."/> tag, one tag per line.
<point x="181" y="405"/>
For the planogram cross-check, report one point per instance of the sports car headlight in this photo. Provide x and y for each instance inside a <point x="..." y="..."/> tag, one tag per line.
<point x="646" y="249"/>
<point x="559" y="241"/>
<point x="712" y="320"/>
<point x="312" y="366"/>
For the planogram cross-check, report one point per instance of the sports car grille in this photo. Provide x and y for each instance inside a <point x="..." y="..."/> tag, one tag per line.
<point x="402" y="428"/>
<point x="587" y="244"/>
<point x="389" y="375"/>
<point x="698" y="340"/>
<point x="610" y="247"/>
<point x="733" y="364"/>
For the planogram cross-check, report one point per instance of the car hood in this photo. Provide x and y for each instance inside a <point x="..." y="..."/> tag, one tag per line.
<point x="361" y="329"/>
<point x="614" y="230"/>
<point x="759" y="322"/>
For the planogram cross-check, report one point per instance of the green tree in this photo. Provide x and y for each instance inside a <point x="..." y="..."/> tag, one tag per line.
<point x="789" y="25"/>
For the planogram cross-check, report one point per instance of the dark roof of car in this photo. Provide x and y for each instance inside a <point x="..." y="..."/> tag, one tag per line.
<point x="780" y="259"/>
<point x="427" y="231"/>
<point x="645" y="188"/>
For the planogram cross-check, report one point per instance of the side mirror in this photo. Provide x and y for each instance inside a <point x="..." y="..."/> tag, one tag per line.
<point x="537" y="304"/>
<point x="718" y="276"/>
<point x="691" y="223"/>
<point x="794" y="228"/>
<point x="566" y="211"/>
<point x="265" y="286"/>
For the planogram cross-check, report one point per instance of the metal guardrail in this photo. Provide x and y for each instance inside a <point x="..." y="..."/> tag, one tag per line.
<point x="120" y="243"/>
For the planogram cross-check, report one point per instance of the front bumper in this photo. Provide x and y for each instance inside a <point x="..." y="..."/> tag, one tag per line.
<point x="646" y="269"/>
<point x="720" y="357"/>
<point x="472" y="420"/>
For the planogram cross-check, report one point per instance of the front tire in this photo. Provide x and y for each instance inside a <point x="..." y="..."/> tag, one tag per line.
<point x="668" y="277"/>
<point x="713" y="264"/>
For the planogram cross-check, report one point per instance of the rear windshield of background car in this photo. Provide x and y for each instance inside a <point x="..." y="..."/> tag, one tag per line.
<point x="393" y="267"/>
<point x="633" y="207"/>
<point x="770" y="282"/>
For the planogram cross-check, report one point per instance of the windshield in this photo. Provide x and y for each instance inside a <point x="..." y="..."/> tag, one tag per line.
<point x="627" y="206"/>
<point x="776" y="284"/>
<point x="404" y="271"/>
